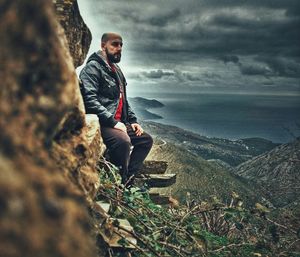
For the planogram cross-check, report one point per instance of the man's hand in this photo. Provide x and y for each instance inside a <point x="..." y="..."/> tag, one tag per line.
<point x="137" y="129"/>
<point x="121" y="126"/>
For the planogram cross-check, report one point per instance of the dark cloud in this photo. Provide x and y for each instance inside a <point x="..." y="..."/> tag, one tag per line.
<point x="211" y="75"/>
<point x="266" y="66"/>
<point x="186" y="76"/>
<point x="282" y="67"/>
<point x="161" y="18"/>
<point x="230" y="58"/>
<point x="157" y="74"/>
<point x="271" y="67"/>
<point x="178" y="75"/>
<point x="293" y="12"/>
<point x="268" y="83"/>
<point x="270" y="4"/>
<point x="228" y="35"/>
<point x="254" y="70"/>
<point x="261" y="37"/>
<point x="209" y="27"/>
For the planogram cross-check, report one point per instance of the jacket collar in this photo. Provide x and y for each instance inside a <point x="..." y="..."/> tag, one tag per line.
<point x="98" y="56"/>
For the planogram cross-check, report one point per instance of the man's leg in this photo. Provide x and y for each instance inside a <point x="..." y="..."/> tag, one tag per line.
<point x="118" y="143"/>
<point x="142" y="146"/>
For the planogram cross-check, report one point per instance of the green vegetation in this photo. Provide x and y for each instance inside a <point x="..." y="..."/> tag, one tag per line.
<point x="204" y="228"/>
<point x="199" y="177"/>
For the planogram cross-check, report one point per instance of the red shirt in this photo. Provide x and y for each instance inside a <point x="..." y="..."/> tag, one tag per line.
<point x="118" y="114"/>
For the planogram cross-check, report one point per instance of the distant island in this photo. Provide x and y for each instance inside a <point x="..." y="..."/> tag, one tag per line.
<point x="141" y="106"/>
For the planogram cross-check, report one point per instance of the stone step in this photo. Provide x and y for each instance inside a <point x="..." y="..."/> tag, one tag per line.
<point x="156" y="180"/>
<point x="123" y="223"/>
<point x="154" y="167"/>
<point x="118" y="234"/>
<point x="114" y="231"/>
<point x="160" y="199"/>
<point x="93" y="134"/>
<point x="102" y="208"/>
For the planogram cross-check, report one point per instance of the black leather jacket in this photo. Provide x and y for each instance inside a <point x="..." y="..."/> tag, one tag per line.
<point x="100" y="90"/>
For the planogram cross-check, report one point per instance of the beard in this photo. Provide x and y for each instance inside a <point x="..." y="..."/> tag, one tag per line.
<point x="113" y="58"/>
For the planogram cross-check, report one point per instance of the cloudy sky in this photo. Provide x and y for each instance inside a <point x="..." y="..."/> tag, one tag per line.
<point x="203" y="45"/>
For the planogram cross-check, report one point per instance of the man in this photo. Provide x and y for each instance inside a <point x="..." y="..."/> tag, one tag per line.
<point x="103" y="87"/>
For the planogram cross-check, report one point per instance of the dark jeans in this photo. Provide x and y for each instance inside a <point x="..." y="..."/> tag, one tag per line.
<point x="119" y="146"/>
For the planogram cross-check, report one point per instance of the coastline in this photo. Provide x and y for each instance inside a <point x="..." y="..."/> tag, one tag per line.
<point x="226" y="116"/>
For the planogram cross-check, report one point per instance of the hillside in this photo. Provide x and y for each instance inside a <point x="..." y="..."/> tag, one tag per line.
<point x="275" y="173"/>
<point x="141" y="106"/>
<point x="202" y="179"/>
<point x="271" y="178"/>
<point x="269" y="169"/>
<point x="225" y="152"/>
<point x="145" y="103"/>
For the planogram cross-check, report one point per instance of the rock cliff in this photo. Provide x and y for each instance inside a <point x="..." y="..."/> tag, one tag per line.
<point x="78" y="34"/>
<point x="47" y="163"/>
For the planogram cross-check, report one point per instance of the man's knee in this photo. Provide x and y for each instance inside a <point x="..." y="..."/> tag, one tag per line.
<point x="124" y="145"/>
<point x="123" y="139"/>
<point x="120" y="151"/>
<point x="118" y="139"/>
<point x="148" y="140"/>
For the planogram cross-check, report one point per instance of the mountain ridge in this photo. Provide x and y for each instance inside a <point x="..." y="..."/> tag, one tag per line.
<point x="275" y="172"/>
<point x="142" y="105"/>
<point x="231" y="152"/>
<point x="196" y="152"/>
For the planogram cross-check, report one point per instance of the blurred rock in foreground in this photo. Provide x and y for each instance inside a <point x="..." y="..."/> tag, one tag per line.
<point x="42" y="204"/>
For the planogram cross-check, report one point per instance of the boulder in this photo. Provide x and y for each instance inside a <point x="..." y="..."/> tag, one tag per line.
<point x="41" y="214"/>
<point x="77" y="151"/>
<point x="78" y="34"/>
<point x="44" y="138"/>
<point x="77" y="142"/>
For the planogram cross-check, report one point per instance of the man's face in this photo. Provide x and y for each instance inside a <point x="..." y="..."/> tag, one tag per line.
<point x="113" y="49"/>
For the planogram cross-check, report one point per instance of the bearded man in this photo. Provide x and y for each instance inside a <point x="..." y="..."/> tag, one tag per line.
<point x="103" y="87"/>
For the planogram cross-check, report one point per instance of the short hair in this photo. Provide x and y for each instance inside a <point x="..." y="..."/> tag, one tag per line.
<point x="107" y="36"/>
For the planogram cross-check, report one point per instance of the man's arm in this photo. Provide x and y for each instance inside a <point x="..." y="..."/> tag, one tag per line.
<point x="133" y="121"/>
<point x="131" y="115"/>
<point x="90" y="77"/>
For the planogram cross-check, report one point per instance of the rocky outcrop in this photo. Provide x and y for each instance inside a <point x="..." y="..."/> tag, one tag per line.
<point x="76" y="151"/>
<point x="73" y="148"/>
<point x="46" y="158"/>
<point x="78" y="34"/>
<point x="276" y="173"/>
<point x="42" y="214"/>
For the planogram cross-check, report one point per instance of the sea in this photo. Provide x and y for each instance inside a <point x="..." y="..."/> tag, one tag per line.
<point x="231" y="116"/>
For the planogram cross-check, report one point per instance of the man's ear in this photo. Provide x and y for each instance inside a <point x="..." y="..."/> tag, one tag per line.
<point x="103" y="45"/>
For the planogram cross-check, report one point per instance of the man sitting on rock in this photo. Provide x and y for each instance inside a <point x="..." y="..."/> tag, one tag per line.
<point x="103" y="87"/>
